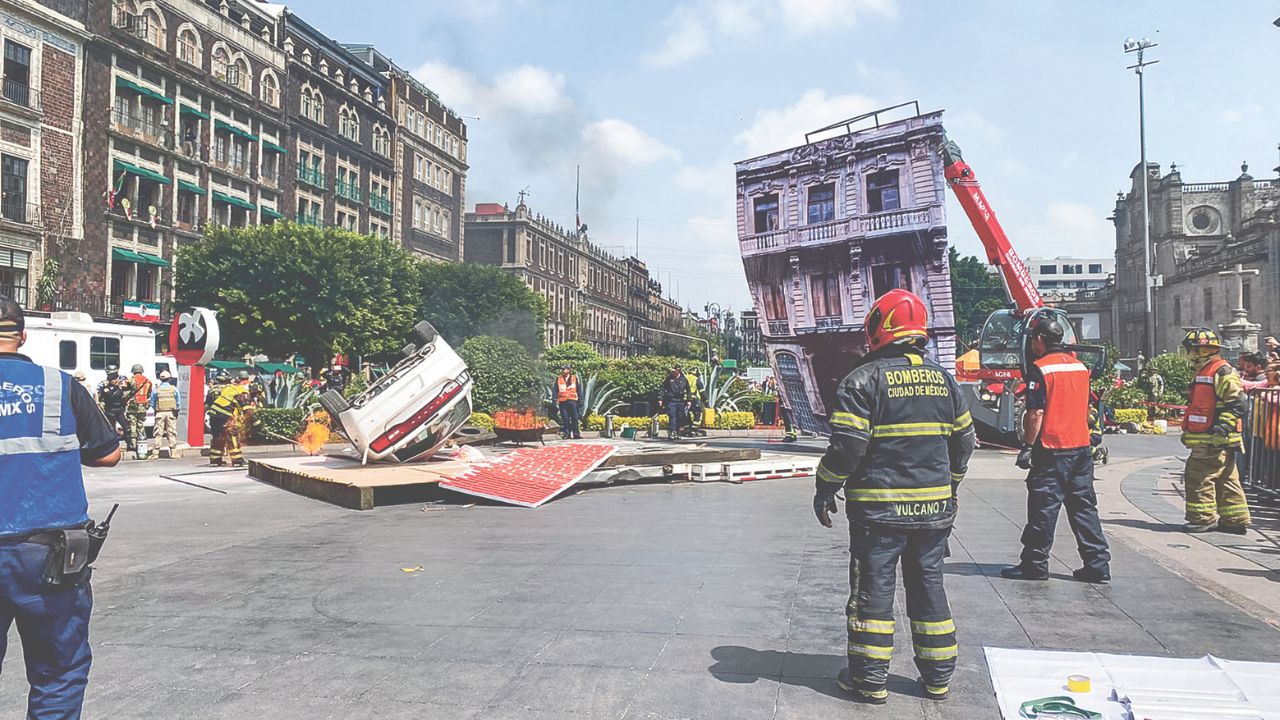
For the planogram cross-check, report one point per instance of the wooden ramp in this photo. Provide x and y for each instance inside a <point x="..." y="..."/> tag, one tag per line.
<point x="343" y="481"/>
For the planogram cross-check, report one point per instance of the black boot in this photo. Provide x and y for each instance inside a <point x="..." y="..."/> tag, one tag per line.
<point x="857" y="694"/>
<point x="1021" y="572"/>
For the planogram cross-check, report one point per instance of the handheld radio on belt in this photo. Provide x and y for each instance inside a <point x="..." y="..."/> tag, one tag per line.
<point x="71" y="551"/>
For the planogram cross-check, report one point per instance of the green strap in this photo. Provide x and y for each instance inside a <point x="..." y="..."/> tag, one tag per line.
<point x="1056" y="706"/>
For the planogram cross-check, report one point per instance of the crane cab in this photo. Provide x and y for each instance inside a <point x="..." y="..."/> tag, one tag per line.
<point x="1002" y="347"/>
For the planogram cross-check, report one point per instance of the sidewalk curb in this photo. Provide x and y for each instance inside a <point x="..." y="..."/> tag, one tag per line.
<point x="1192" y="557"/>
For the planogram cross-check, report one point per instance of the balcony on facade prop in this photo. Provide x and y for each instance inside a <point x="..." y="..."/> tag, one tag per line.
<point x="310" y="219"/>
<point x="380" y="203"/>
<point x="271" y="175"/>
<point x="862" y="227"/>
<point x="347" y="190"/>
<point x="18" y="92"/>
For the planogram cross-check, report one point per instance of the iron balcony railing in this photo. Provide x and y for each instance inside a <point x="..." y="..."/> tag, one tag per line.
<point x="15" y="208"/>
<point x="313" y="176"/>
<point x="271" y="174"/>
<point x="380" y="203"/>
<point x="312" y="219"/>
<point x="347" y="189"/>
<point x="16" y="293"/>
<point x="20" y="93"/>
<point x="227" y="160"/>
<point x="137" y="125"/>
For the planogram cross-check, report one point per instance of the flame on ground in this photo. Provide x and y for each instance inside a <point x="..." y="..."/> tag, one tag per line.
<point x="313" y="439"/>
<point x="525" y="419"/>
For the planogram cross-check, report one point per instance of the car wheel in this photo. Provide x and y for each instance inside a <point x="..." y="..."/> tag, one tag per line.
<point x="333" y="403"/>
<point x="425" y="332"/>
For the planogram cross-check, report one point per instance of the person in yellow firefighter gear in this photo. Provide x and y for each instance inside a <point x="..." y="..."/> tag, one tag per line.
<point x="1211" y="429"/>
<point x="225" y="417"/>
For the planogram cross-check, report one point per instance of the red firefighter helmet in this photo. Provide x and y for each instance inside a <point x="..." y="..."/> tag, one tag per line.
<point x="896" y="316"/>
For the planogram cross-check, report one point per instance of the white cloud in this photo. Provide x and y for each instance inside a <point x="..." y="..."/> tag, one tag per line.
<point x="686" y="39"/>
<point x="624" y="142"/>
<point x="690" y="29"/>
<point x="784" y="128"/>
<point x="527" y="89"/>
<point x="970" y="121"/>
<point x="710" y="179"/>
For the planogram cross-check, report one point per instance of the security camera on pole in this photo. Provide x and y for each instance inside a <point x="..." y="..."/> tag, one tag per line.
<point x="194" y="338"/>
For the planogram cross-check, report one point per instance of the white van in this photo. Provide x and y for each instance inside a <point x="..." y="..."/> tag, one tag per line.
<point x="73" y="341"/>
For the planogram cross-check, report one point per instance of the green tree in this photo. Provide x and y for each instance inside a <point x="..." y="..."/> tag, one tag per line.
<point x="465" y="300"/>
<point x="639" y="377"/>
<point x="505" y="374"/>
<point x="1175" y="369"/>
<point x="584" y="358"/>
<point x="285" y="288"/>
<point x="976" y="292"/>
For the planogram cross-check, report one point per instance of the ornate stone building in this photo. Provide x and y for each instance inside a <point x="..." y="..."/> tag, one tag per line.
<point x="591" y="295"/>
<point x="1197" y="231"/>
<point x="430" y="160"/>
<point x="824" y="229"/>
<point x="41" y="225"/>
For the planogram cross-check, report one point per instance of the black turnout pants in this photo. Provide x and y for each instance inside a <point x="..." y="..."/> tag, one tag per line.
<point x="874" y="556"/>
<point x="1057" y="478"/>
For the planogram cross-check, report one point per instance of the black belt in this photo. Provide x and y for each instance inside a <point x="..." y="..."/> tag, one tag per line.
<point x="44" y="537"/>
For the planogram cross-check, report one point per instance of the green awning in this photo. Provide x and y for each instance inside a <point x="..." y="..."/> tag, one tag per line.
<point x="232" y="200"/>
<point x="192" y="188"/>
<point x="138" y="257"/>
<point x="122" y="83"/>
<point x="268" y="145"/>
<point x="220" y="125"/>
<point x="269" y="212"/>
<point x="271" y="368"/>
<point x="227" y="365"/>
<point x="188" y="110"/>
<point x="122" y="166"/>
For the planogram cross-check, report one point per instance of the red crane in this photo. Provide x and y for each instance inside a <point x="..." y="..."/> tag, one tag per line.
<point x="1018" y="283"/>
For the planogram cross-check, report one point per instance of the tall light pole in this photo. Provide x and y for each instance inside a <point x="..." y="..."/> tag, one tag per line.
<point x="1148" y="302"/>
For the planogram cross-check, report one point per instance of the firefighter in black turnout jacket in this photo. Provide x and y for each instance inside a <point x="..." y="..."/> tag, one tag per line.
<point x="901" y="437"/>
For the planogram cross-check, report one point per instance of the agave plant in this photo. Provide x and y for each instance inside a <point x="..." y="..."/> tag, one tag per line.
<point x="292" y="392"/>
<point x="596" y="397"/>
<point x="723" y="396"/>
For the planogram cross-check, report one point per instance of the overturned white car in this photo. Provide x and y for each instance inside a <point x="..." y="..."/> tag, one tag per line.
<point x="412" y="410"/>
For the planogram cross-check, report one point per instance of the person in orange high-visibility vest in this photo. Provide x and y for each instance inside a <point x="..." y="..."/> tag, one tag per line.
<point x="1058" y="453"/>
<point x="567" y="400"/>
<point x="1211" y="429"/>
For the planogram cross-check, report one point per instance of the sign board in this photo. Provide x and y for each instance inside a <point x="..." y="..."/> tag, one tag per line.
<point x="193" y="338"/>
<point x="194" y="335"/>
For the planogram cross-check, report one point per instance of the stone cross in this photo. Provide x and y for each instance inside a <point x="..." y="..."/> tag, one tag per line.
<point x="1240" y="334"/>
<point x="1239" y="274"/>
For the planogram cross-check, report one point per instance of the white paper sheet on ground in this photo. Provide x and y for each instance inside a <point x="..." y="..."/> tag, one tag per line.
<point x="1157" y="688"/>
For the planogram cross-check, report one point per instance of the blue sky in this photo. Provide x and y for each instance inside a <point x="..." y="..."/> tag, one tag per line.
<point x="657" y="100"/>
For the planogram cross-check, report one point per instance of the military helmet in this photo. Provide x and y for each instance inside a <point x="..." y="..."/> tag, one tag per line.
<point x="113" y="370"/>
<point x="242" y="375"/>
<point x="136" y="369"/>
<point x="1201" y="339"/>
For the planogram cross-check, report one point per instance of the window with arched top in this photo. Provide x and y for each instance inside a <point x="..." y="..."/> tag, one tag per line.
<point x="220" y="62"/>
<point x="150" y="27"/>
<point x="238" y="74"/>
<point x="381" y="141"/>
<point x="349" y="124"/>
<point x="189" y="46"/>
<point x="312" y="104"/>
<point x="270" y="89"/>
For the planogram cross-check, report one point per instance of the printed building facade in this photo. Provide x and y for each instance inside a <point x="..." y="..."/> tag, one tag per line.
<point x="827" y="227"/>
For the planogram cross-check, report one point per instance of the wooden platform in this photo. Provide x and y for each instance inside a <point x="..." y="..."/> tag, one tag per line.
<point x="343" y="481"/>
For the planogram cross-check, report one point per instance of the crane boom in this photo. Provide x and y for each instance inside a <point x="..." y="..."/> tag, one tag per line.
<point x="1018" y="283"/>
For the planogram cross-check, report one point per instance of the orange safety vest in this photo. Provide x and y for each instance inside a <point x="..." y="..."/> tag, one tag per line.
<point x="1202" y="406"/>
<point x="143" y="394"/>
<point x="566" y="388"/>
<point x="1066" y="414"/>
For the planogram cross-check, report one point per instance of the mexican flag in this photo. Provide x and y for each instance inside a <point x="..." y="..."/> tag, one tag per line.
<point x="139" y="311"/>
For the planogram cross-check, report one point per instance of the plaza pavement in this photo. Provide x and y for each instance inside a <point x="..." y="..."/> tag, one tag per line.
<point x="655" y="601"/>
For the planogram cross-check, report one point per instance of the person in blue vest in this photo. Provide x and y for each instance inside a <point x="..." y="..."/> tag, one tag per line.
<point x="49" y="427"/>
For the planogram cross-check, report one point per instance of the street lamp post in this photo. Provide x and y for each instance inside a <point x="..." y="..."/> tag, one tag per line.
<point x="1148" y="302"/>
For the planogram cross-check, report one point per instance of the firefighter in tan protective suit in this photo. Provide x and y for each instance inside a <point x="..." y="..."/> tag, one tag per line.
<point x="1211" y="429"/>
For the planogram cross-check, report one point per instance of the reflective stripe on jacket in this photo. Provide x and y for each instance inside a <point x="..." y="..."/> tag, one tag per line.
<point x="229" y="400"/>
<point x="1216" y="394"/>
<point x="566" y="388"/>
<point x="901" y="437"/>
<point x="1066" y="412"/>
<point x="40" y="480"/>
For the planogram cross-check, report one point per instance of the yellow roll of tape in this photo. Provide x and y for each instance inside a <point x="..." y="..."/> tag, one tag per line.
<point x="1078" y="683"/>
